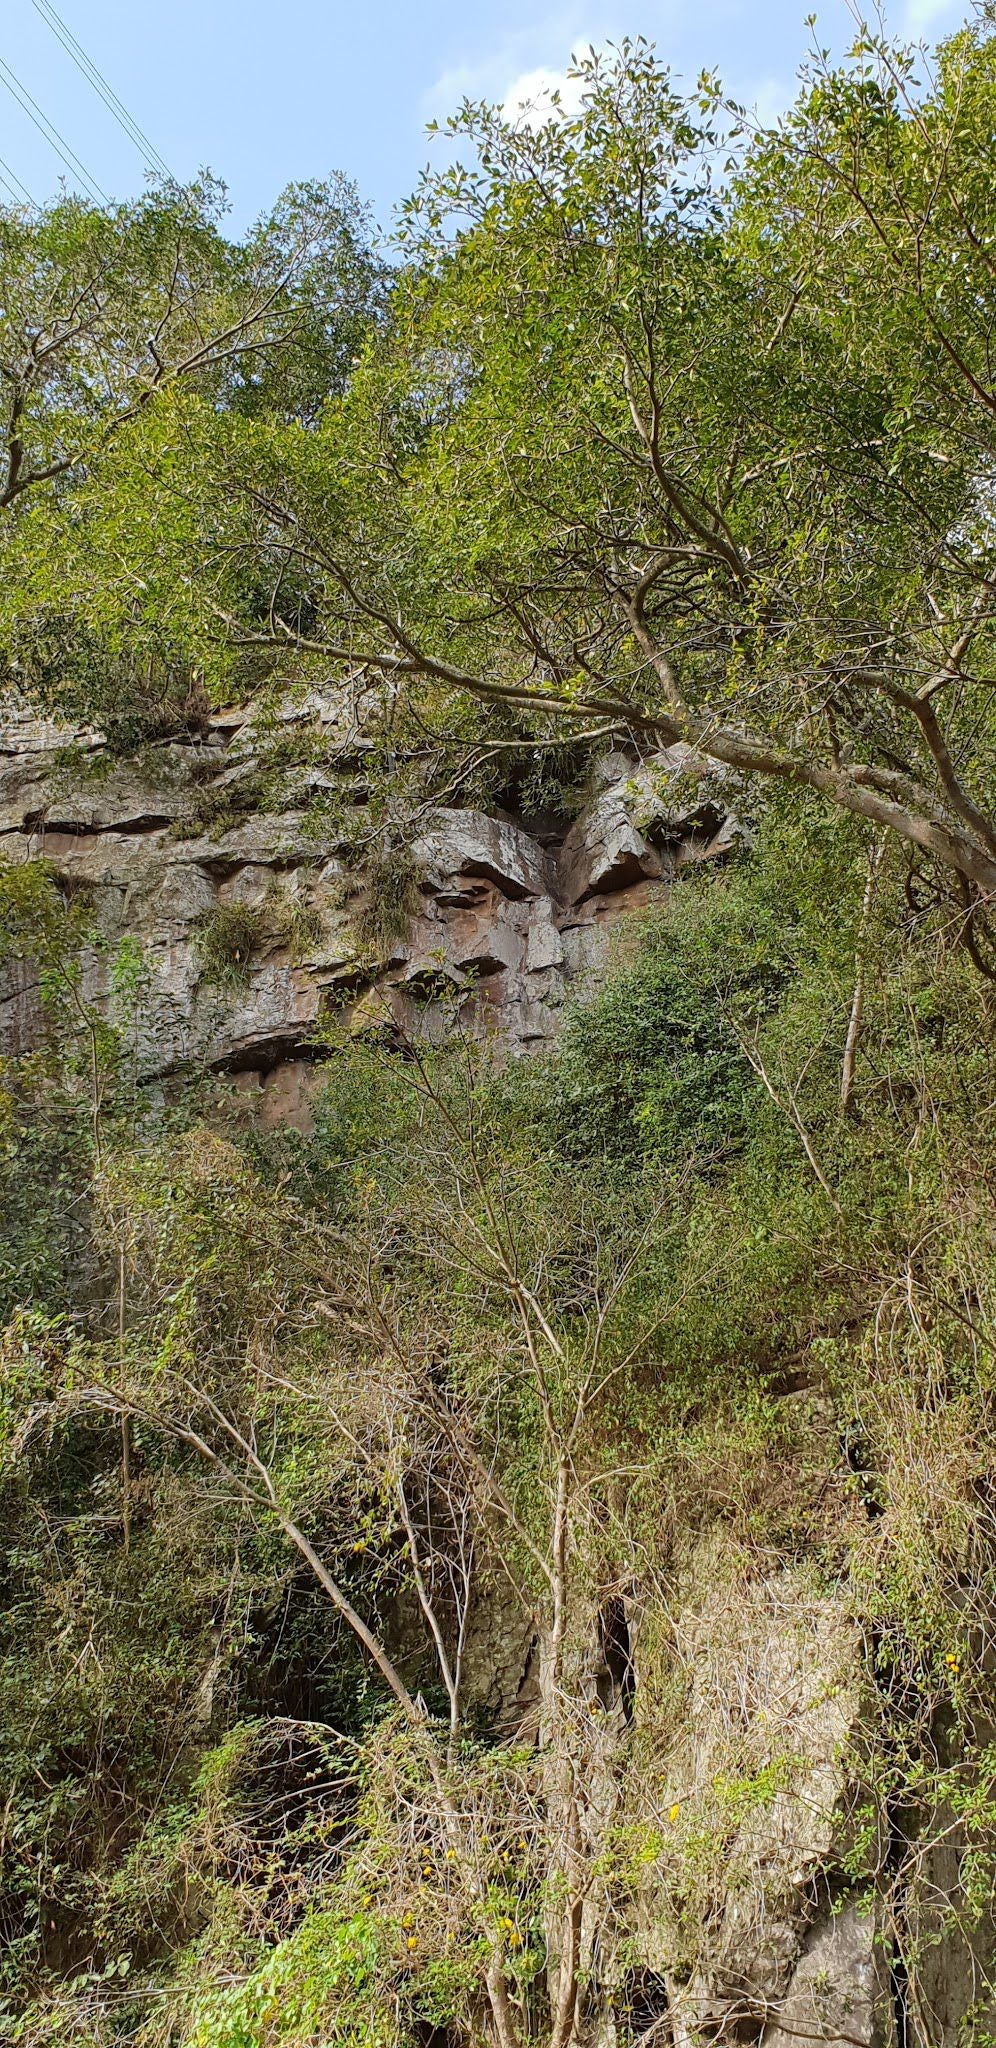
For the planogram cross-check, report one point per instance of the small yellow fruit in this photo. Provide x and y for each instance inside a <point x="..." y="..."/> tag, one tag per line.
<point x="674" y="1812"/>
<point x="412" y="1941"/>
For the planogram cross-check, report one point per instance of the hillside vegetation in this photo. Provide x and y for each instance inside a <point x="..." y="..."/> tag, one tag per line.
<point x="515" y="1561"/>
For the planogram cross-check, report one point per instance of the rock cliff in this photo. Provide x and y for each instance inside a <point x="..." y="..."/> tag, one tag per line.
<point x="168" y="846"/>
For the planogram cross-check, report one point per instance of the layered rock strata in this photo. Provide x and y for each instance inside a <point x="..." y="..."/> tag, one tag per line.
<point x="500" y="918"/>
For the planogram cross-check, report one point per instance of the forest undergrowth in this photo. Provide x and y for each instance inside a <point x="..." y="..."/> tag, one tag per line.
<point x="286" y="1415"/>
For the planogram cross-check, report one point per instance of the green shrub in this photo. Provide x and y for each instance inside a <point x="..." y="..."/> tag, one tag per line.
<point x="652" y="1064"/>
<point x="391" y="900"/>
<point x="226" y="939"/>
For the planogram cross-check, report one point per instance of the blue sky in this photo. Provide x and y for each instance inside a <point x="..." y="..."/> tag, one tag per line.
<point x="262" y="94"/>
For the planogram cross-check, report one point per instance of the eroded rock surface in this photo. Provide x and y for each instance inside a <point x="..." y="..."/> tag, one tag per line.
<point x="839" y="1991"/>
<point x="760" y="1777"/>
<point x="503" y="920"/>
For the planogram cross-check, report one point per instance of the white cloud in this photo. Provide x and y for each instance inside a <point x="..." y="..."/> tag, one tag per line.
<point x="522" y="73"/>
<point x="929" y="14"/>
<point x="530" y="97"/>
<point x="459" y="82"/>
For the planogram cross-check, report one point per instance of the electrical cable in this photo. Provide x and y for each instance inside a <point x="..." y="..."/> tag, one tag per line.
<point x="48" y="129"/>
<point x="105" y="92"/>
<point x="10" y="180"/>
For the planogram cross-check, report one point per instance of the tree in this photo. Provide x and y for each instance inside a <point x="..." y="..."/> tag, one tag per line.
<point x="103" y="309"/>
<point x="716" y="467"/>
<point x="640" y="450"/>
<point x="106" y="316"/>
<point x="649" y="453"/>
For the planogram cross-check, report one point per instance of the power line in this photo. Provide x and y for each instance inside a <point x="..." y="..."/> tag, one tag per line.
<point x="95" y="77"/>
<point x="47" y="128"/>
<point x="10" y="180"/>
<point x="9" y="189"/>
<point x="50" y="132"/>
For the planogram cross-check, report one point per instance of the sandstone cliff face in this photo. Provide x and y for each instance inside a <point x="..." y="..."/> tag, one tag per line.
<point x="502" y="919"/>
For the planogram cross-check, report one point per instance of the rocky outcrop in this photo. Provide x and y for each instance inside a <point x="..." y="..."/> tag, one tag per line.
<point x="757" y="1786"/>
<point x="501" y="920"/>
<point x="839" y="1992"/>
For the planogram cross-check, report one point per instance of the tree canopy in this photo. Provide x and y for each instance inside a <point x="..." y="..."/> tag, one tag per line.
<point x="119" y="330"/>
<point x="670" y="426"/>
